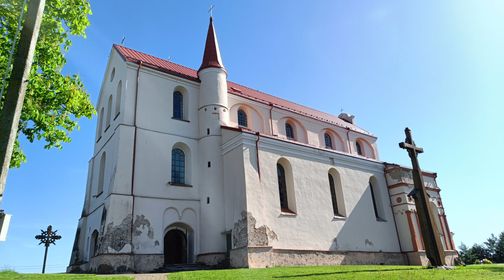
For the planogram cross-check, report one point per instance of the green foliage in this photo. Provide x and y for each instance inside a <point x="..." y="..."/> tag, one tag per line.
<point x="499" y="249"/>
<point x="53" y="101"/>
<point x="491" y="251"/>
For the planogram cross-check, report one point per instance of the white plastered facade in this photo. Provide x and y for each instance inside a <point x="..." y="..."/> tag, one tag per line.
<point x="228" y="207"/>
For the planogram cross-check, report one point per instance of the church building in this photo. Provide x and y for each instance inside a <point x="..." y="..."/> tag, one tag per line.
<point x="189" y="167"/>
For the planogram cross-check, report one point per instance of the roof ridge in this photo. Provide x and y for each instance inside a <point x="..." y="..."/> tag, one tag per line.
<point x="155" y="57"/>
<point x="183" y="71"/>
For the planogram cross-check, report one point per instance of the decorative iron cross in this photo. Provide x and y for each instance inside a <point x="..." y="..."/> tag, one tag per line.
<point x="47" y="237"/>
<point x="211" y="9"/>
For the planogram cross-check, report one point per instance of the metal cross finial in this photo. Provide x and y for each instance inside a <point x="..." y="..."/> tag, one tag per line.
<point x="47" y="237"/>
<point x="210" y="10"/>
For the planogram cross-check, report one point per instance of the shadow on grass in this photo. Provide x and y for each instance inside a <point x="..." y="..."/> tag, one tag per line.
<point x="343" y="272"/>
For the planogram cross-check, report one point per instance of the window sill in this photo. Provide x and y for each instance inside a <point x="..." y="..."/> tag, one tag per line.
<point x="287" y="212"/>
<point x="117" y="115"/>
<point x="179" y="185"/>
<point x="339" y="218"/>
<point x="381" y="220"/>
<point x="177" y="119"/>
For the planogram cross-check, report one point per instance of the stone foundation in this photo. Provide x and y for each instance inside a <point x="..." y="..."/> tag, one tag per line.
<point x="420" y="258"/>
<point x="211" y="259"/>
<point x="269" y="257"/>
<point x="115" y="263"/>
<point x="239" y="257"/>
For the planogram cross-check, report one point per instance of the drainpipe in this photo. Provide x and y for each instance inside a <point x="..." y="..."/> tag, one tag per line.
<point x="134" y="160"/>
<point x="257" y="155"/>
<point x="271" y="118"/>
<point x="348" y="139"/>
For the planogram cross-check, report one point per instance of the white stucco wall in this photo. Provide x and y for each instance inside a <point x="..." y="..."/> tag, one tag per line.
<point x="314" y="227"/>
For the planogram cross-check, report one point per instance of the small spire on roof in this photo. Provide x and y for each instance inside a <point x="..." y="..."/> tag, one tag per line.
<point x="211" y="56"/>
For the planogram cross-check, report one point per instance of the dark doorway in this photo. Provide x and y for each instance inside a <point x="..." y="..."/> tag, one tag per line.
<point x="175" y="247"/>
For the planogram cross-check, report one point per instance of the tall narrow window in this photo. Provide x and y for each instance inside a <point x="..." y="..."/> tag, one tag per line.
<point x="118" y="99"/>
<point x="289" y="131"/>
<point x="178" y="166"/>
<point x="100" y="123"/>
<point x="333" y="196"/>
<point x="101" y="174"/>
<point x="93" y="248"/>
<point x="242" y="118"/>
<point x="178" y="105"/>
<point x="375" y="204"/>
<point x="282" y="188"/>
<point x="109" y="112"/>
<point x="359" y="149"/>
<point x="328" y="141"/>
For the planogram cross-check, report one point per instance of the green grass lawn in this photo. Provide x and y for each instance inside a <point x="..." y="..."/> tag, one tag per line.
<point x="495" y="271"/>
<point x="13" y="275"/>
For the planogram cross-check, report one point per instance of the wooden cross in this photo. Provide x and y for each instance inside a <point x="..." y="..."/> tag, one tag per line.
<point x="430" y="234"/>
<point x="210" y="10"/>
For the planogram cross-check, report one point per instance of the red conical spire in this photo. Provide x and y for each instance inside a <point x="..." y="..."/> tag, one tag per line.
<point x="211" y="57"/>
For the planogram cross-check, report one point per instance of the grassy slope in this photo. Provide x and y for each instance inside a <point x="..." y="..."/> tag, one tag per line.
<point x="349" y="272"/>
<point x="13" y="276"/>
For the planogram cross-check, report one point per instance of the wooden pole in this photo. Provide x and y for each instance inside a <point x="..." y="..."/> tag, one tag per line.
<point x="14" y="98"/>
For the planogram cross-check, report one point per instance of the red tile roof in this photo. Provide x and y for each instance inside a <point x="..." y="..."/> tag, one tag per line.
<point x="233" y="88"/>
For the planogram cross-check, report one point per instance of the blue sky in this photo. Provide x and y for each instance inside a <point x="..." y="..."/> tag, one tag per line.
<point x="435" y="66"/>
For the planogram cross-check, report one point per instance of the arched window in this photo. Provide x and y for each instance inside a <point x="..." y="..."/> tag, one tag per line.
<point x="289" y="131"/>
<point x="333" y="196"/>
<point x="109" y="112"/>
<point x="336" y="190"/>
<point x="100" y="123"/>
<point x="286" y="187"/>
<point x="101" y="174"/>
<point x="377" y="203"/>
<point x="282" y="187"/>
<point x="328" y="141"/>
<point x="93" y="247"/>
<point x="360" y="152"/>
<point x="242" y="118"/>
<point x="178" y="166"/>
<point x="178" y="105"/>
<point x="118" y="99"/>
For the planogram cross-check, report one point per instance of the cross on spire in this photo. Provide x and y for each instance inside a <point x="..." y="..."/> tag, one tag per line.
<point x="210" y="10"/>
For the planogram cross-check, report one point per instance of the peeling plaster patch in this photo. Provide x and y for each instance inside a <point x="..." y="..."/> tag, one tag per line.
<point x="368" y="242"/>
<point x="116" y="237"/>
<point x="246" y="233"/>
<point x="140" y="224"/>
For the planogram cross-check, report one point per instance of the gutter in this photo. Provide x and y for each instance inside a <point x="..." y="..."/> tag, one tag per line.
<point x="134" y="159"/>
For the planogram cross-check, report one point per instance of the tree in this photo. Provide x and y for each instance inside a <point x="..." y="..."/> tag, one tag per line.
<point x="53" y="101"/>
<point x="491" y="244"/>
<point x="499" y="249"/>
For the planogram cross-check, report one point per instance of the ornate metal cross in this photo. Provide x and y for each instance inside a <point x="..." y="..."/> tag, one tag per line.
<point x="47" y="237"/>
<point x="430" y="233"/>
<point x="210" y="10"/>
